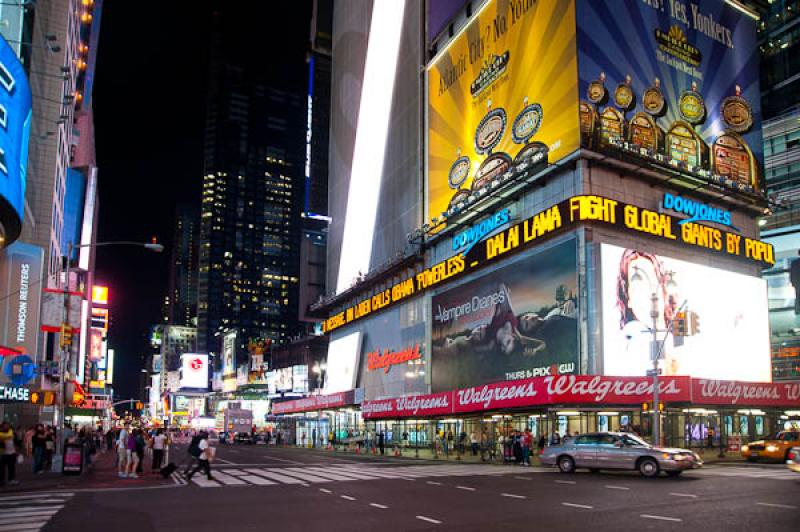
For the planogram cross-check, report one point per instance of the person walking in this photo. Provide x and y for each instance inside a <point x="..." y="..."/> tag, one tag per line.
<point x="555" y="439"/>
<point x="39" y="443"/>
<point x="381" y="438"/>
<point x="123" y="456"/>
<point x="159" y="443"/>
<point x="204" y="459"/>
<point x="473" y="440"/>
<point x="8" y="455"/>
<point x="541" y="443"/>
<point x="49" y="447"/>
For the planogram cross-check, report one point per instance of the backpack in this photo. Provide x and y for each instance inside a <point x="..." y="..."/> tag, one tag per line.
<point x="194" y="447"/>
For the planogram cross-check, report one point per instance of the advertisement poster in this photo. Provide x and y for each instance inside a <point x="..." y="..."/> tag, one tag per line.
<point x="194" y="371"/>
<point x="783" y="289"/>
<point x="732" y="337"/>
<point x="676" y="80"/>
<point x="517" y="322"/>
<point x="393" y="358"/>
<point x="502" y="93"/>
<point x="229" y="377"/>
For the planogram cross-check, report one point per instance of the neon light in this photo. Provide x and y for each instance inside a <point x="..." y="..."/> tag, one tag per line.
<point x="371" y="134"/>
<point x="309" y="131"/>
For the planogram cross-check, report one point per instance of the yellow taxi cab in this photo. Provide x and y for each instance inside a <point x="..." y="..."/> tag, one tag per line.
<point x="776" y="447"/>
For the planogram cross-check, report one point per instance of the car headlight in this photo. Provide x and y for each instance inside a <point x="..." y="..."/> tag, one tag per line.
<point x="771" y="448"/>
<point x="745" y="448"/>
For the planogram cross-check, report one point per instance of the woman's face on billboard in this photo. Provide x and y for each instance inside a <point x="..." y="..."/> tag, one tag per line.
<point x="506" y="338"/>
<point x="642" y="282"/>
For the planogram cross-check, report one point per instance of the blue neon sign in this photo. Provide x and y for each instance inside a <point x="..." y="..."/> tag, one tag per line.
<point x="467" y="239"/>
<point x="696" y="211"/>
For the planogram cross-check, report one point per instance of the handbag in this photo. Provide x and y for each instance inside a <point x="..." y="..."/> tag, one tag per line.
<point x="20" y="459"/>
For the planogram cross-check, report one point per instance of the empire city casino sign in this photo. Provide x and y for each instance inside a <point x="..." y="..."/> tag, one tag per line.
<point x="555" y="219"/>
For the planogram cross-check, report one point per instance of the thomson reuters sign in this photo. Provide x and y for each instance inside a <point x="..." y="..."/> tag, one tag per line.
<point x="194" y="371"/>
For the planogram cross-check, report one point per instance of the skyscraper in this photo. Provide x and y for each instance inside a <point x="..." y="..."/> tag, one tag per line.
<point x="182" y="299"/>
<point x="251" y="204"/>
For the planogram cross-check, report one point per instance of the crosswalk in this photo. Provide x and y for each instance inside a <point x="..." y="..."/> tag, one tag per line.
<point x="747" y="471"/>
<point x="306" y="475"/>
<point x="29" y="513"/>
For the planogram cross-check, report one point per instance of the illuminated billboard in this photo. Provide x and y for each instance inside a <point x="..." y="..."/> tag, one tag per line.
<point x="732" y="340"/>
<point x="100" y="295"/>
<point x="783" y="282"/>
<point x="516" y="322"/>
<point x="229" y="361"/>
<point x="675" y="83"/>
<point x="194" y="371"/>
<point x="503" y="93"/>
<point x="15" y="124"/>
<point x="342" y="363"/>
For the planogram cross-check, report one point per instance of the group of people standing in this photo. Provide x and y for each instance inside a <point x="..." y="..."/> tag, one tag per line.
<point x="131" y="444"/>
<point x="37" y="442"/>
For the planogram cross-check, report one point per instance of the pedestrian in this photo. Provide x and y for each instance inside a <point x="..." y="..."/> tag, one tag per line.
<point x="516" y="446"/>
<point x="110" y="439"/>
<point x="8" y="455"/>
<point x="141" y="444"/>
<point x="123" y="456"/>
<point x="526" y="442"/>
<point x="159" y="443"/>
<point x="204" y="459"/>
<point x="381" y="441"/>
<point x="49" y="447"/>
<point x="541" y="443"/>
<point x="555" y="439"/>
<point x="710" y="438"/>
<point x="473" y="440"/>
<point x="39" y="443"/>
<point x="132" y="456"/>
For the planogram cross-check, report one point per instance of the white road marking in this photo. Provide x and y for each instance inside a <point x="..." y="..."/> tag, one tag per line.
<point x="661" y="518"/>
<point x="467" y="488"/>
<point x="609" y="486"/>
<point x="225" y="461"/>
<point x="684" y="495"/>
<point x="305" y="477"/>
<point x="227" y="479"/>
<point x="347" y="497"/>
<point x="275" y="476"/>
<point x="513" y="496"/>
<point x="323" y="490"/>
<point x="256" y="480"/>
<point x="428" y="519"/>
<point x="39" y="496"/>
<point x="565" y="482"/>
<point x="433" y="483"/>
<point x="28" y="526"/>
<point x="523" y="478"/>
<point x="573" y="505"/>
<point x="37" y="501"/>
<point x="774" y="505"/>
<point x="376" y="505"/>
<point x="203" y="482"/>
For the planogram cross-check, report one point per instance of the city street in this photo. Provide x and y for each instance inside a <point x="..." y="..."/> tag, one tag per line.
<point x="258" y="488"/>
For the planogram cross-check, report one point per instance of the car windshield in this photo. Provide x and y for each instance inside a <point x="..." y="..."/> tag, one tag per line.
<point x="786" y="436"/>
<point x="632" y="439"/>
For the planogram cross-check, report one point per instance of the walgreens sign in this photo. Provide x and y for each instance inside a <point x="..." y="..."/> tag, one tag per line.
<point x="584" y="390"/>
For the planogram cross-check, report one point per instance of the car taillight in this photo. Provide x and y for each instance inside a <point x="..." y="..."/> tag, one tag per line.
<point x="792" y="455"/>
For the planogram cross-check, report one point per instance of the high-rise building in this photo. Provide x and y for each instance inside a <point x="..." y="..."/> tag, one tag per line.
<point x="779" y="42"/>
<point x="313" y="247"/>
<point x="251" y="204"/>
<point x="182" y="298"/>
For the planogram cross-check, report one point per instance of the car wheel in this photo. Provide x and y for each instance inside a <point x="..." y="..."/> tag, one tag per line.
<point x="786" y="456"/>
<point x="751" y="458"/>
<point x="674" y="473"/>
<point x="566" y="464"/>
<point x="594" y="470"/>
<point x="648" y="467"/>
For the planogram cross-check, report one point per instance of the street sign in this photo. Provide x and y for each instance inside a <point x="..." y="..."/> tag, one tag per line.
<point x="652" y="372"/>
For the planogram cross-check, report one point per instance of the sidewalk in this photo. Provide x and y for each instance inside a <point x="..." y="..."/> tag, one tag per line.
<point x="101" y="474"/>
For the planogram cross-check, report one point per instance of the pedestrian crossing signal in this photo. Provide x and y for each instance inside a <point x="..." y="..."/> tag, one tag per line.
<point x="645" y="407"/>
<point x="139" y="405"/>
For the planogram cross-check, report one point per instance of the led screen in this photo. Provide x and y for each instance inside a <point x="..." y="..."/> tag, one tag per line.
<point x="194" y="371"/>
<point x="732" y="341"/>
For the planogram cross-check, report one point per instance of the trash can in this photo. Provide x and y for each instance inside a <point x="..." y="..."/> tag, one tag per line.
<point x="73" y="459"/>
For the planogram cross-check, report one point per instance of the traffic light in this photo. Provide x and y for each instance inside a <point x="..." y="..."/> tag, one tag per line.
<point x="43" y="398"/>
<point x="645" y="407"/>
<point x="694" y="323"/>
<point x="139" y="405"/>
<point x="35" y="397"/>
<point x="66" y="335"/>
<point x="679" y="325"/>
<point x="660" y="406"/>
<point x="49" y="398"/>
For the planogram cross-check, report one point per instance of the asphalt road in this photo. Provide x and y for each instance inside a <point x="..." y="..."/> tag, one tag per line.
<point x="259" y="488"/>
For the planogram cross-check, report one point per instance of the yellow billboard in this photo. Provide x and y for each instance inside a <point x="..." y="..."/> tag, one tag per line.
<point x="503" y="92"/>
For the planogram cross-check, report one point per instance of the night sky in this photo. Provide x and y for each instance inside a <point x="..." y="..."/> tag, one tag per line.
<point x="149" y="103"/>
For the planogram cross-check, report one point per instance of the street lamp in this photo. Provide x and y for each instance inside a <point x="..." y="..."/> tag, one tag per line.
<point x="63" y="363"/>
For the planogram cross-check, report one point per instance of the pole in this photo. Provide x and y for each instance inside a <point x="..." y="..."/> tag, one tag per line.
<point x="63" y="367"/>
<point x="655" y="353"/>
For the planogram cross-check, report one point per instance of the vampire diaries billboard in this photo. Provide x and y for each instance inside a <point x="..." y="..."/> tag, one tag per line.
<point x="517" y="322"/>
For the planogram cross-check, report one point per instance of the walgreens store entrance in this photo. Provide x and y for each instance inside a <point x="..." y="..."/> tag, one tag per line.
<point x="480" y="423"/>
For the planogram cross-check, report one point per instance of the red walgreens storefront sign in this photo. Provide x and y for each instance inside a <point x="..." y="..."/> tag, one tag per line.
<point x="713" y="392"/>
<point x="314" y="402"/>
